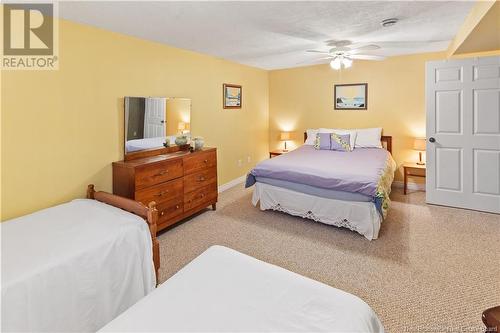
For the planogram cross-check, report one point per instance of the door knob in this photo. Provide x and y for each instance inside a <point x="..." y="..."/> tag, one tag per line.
<point x="431" y="139"/>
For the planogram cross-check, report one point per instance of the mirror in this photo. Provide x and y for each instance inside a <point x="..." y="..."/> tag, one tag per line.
<point x="152" y="121"/>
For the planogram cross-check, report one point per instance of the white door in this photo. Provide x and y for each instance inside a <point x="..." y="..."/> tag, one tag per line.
<point x="154" y="117"/>
<point x="463" y="133"/>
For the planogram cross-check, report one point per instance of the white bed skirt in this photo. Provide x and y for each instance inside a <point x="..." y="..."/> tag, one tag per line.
<point x="361" y="217"/>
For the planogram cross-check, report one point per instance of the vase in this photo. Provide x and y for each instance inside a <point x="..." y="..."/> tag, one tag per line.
<point x="198" y="143"/>
<point x="181" y="140"/>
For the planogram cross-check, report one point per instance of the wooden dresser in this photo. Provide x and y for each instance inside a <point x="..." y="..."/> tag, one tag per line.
<point x="181" y="183"/>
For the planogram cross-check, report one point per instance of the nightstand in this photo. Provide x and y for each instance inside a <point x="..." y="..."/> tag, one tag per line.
<point x="414" y="170"/>
<point x="277" y="152"/>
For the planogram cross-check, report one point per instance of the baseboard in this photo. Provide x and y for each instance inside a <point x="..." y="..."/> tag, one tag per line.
<point x="411" y="186"/>
<point x="232" y="183"/>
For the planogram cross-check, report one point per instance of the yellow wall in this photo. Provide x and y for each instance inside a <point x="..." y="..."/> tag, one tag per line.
<point x="480" y="30"/>
<point x="486" y="35"/>
<point x="62" y="129"/>
<point x="302" y="98"/>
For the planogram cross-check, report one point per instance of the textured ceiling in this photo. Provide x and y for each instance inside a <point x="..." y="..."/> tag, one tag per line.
<point x="273" y="35"/>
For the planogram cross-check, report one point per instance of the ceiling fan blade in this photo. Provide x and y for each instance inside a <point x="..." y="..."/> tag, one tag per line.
<point x="338" y="43"/>
<point x="369" y="47"/>
<point x="366" y="57"/>
<point x="318" y="51"/>
<point x="310" y="61"/>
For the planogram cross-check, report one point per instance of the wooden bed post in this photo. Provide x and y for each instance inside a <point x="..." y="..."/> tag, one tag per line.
<point x="153" y="226"/>
<point x="90" y="191"/>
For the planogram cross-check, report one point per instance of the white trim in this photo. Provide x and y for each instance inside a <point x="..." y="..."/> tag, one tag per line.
<point x="232" y="183"/>
<point x="411" y="186"/>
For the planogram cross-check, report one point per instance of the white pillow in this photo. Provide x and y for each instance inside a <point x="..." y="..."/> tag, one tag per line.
<point x="368" y="138"/>
<point x="352" y="134"/>
<point x="311" y="136"/>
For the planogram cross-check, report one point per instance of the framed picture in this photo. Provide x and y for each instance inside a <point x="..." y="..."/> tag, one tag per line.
<point x="351" y="96"/>
<point x="232" y="96"/>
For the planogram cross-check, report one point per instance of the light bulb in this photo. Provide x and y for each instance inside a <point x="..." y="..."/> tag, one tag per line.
<point x="335" y="64"/>
<point x="347" y="62"/>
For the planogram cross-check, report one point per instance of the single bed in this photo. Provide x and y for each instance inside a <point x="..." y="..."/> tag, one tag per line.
<point x="344" y="189"/>
<point x="223" y="290"/>
<point x="76" y="266"/>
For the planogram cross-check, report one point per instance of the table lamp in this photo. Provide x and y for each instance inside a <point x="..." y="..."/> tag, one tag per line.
<point x="181" y="127"/>
<point x="419" y="145"/>
<point x="285" y="136"/>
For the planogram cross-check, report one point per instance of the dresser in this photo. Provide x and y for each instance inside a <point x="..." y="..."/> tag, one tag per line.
<point x="181" y="183"/>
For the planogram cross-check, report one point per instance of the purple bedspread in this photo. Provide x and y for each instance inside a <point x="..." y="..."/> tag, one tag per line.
<point x="357" y="171"/>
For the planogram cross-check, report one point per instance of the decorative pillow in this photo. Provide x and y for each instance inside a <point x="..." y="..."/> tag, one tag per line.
<point x="340" y="142"/>
<point x="352" y="134"/>
<point x="368" y="138"/>
<point x="323" y="141"/>
<point x="311" y="137"/>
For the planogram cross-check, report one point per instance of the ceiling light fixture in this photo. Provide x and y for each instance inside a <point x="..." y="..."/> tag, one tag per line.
<point x="335" y="63"/>
<point x="347" y="62"/>
<point x="389" y="22"/>
<point x="340" y="61"/>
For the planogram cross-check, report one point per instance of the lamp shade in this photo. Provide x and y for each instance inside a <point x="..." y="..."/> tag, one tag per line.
<point x="285" y="136"/>
<point x="419" y="144"/>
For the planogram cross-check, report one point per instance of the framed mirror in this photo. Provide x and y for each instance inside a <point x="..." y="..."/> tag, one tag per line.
<point x="152" y="122"/>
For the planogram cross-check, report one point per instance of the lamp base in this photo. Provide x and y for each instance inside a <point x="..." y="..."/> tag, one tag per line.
<point x="420" y="162"/>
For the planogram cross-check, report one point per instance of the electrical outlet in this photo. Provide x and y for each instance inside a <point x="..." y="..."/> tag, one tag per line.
<point x="249" y="159"/>
<point x="240" y="163"/>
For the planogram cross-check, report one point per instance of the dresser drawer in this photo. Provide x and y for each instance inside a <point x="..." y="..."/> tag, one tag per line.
<point x="199" y="161"/>
<point x="160" y="193"/>
<point x="158" y="173"/>
<point x="169" y="209"/>
<point x="200" y="179"/>
<point x="198" y="198"/>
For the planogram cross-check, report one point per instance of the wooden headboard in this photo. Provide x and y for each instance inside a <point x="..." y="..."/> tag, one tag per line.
<point x="385" y="139"/>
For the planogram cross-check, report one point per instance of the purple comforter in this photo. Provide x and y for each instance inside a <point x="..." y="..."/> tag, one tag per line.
<point x="361" y="171"/>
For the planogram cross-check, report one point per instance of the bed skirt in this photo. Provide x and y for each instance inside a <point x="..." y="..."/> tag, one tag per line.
<point x="361" y="217"/>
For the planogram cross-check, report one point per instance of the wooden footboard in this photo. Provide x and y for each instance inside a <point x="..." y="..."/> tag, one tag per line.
<point x="149" y="214"/>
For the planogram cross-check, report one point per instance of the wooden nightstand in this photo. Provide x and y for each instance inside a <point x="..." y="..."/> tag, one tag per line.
<point x="414" y="170"/>
<point x="277" y="152"/>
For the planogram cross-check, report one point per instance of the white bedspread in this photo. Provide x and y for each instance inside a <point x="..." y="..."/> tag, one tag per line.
<point x="225" y="291"/>
<point x="73" y="267"/>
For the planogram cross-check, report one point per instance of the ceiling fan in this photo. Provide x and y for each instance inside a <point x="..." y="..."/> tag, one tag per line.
<point x="342" y="53"/>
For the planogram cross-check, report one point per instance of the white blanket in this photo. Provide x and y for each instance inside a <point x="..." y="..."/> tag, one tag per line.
<point x="73" y="267"/>
<point x="225" y="291"/>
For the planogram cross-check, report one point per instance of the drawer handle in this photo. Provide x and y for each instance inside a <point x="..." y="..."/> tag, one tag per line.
<point x="162" y="193"/>
<point x="162" y="213"/>
<point x="177" y="206"/>
<point x="201" y="178"/>
<point x="206" y="161"/>
<point x="161" y="173"/>
<point x="202" y="195"/>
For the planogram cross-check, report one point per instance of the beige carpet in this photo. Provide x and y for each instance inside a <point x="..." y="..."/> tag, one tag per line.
<point x="433" y="269"/>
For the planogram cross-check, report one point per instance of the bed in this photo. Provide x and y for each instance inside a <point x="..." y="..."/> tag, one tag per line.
<point x="344" y="189"/>
<point x="223" y="290"/>
<point x="76" y="266"/>
<point x="146" y="143"/>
